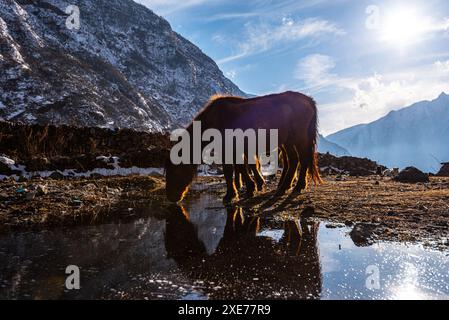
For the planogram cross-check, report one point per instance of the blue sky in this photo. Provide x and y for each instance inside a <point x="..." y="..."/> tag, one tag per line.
<point x="359" y="59"/>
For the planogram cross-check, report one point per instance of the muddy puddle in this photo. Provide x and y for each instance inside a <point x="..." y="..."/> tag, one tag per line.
<point x="204" y="251"/>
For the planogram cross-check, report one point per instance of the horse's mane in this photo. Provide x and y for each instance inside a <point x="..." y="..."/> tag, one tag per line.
<point x="214" y="100"/>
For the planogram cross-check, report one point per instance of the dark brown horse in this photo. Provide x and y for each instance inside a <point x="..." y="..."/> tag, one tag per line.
<point x="292" y="114"/>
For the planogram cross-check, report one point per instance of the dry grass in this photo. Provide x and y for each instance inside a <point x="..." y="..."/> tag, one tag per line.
<point x="405" y="212"/>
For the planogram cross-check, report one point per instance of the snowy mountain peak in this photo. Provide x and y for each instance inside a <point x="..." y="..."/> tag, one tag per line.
<point x="123" y="67"/>
<point x="443" y="95"/>
<point x="416" y="135"/>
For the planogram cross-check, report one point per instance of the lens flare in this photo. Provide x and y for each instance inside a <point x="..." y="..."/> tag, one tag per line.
<point x="404" y="26"/>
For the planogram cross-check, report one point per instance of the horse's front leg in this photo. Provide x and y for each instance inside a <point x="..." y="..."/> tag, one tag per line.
<point x="231" y="192"/>
<point x="238" y="177"/>
<point x="249" y="182"/>
<point x="258" y="177"/>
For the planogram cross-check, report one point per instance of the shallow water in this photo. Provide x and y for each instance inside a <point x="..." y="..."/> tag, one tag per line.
<point x="204" y="251"/>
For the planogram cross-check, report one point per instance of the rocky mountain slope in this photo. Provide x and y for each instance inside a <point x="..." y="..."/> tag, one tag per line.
<point x="123" y="67"/>
<point x="414" y="136"/>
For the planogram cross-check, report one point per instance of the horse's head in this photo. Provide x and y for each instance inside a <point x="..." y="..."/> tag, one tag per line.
<point x="177" y="180"/>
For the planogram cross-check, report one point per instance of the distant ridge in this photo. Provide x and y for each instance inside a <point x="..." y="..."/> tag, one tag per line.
<point x="417" y="136"/>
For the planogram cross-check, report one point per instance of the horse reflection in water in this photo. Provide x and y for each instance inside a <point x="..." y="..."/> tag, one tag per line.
<point x="245" y="264"/>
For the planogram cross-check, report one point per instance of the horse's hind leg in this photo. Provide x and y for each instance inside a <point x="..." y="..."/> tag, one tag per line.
<point x="242" y="172"/>
<point x="249" y="182"/>
<point x="231" y="193"/>
<point x="305" y="156"/>
<point x="256" y="170"/>
<point x="293" y="161"/>
<point x="238" y="177"/>
<point x="283" y="155"/>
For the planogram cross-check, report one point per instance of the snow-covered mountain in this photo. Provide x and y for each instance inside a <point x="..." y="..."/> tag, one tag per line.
<point x="124" y="66"/>
<point x="325" y="146"/>
<point x="417" y="135"/>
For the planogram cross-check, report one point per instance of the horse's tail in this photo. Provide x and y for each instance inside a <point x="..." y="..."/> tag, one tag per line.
<point x="313" y="170"/>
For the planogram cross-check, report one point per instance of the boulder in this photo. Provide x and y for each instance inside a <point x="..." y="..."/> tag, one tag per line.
<point x="363" y="234"/>
<point x="412" y="175"/>
<point x="6" y="166"/>
<point x="444" y="171"/>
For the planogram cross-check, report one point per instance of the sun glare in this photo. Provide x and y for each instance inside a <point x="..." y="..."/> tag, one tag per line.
<point x="403" y="26"/>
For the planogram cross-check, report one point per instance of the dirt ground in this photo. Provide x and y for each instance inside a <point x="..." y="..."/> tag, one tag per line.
<point x="387" y="210"/>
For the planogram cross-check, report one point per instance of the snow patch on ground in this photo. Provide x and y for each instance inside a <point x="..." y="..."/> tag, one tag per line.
<point x="7" y="161"/>
<point x="116" y="170"/>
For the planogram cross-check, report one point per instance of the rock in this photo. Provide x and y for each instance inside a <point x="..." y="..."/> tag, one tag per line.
<point x="362" y="234"/>
<point x="334" y="225"/>
<point x="31" y="195"/>
<point x="41" y="189"/>
<point x="56" y="176"/>
<point x="412" y="175"/>
<point x="5" y="169"/>
<point x="444" y="171"/>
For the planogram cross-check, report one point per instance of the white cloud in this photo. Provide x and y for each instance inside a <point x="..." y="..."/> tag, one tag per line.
<point x="370" y="97"/>
<point x="380" y="94"/>
<point x="263" y="37"/>
<point x="315" y="70"/>
<point x="232" y="15"/>
<point x="218" y="38"/>
<point x="443" y="66"/>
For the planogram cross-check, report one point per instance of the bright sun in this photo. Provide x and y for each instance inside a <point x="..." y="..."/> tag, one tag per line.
<point x="403" y="26"/>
